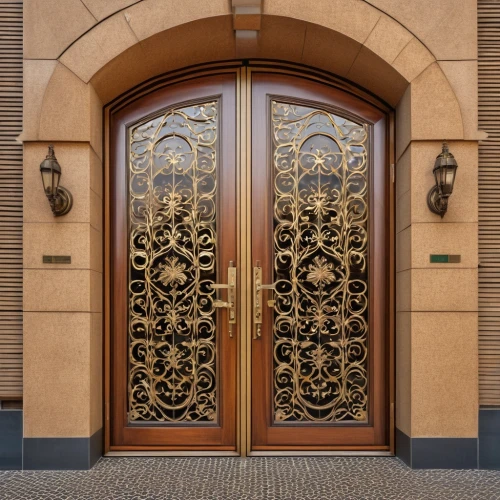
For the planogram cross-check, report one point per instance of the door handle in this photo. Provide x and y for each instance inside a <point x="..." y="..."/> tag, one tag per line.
<point x="258" y="286"/>
<point x="230" y="305"/>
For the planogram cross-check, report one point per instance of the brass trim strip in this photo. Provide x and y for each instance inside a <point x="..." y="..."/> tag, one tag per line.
<point x="244" y="207"/>
<point x="391" y="148"/>
<point x="172" y="454"/>
<point x="240" y="249"/>
<point x="246" y="190"/>
<point x="106" y="264"/>
<point x="339" y="453"/>
<point x="249" y="454"/>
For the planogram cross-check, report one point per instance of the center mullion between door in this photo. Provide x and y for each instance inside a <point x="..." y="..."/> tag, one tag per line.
<point x="244" y="252"/>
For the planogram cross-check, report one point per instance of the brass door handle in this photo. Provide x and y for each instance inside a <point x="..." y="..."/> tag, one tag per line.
<point x="230" y="305"/>
<point x="221" y="303"/>
<point x="266" y="287"/>
<point x="257" y="298"/>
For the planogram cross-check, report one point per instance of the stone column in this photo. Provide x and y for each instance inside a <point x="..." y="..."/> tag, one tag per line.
<point x="62" y="302"/>
<point x="436" y="319"/>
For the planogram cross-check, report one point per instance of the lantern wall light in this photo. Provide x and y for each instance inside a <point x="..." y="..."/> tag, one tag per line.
<point x="60" y="198"/>
<point x="445" y="170"/>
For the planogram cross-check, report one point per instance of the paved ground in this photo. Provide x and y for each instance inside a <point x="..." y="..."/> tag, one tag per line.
<point x="252" y="478"/>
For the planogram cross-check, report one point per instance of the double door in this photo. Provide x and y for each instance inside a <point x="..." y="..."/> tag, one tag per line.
<point x="249" y="242"/>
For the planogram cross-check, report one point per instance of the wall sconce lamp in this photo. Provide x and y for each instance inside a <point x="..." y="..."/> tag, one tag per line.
<point x="445" y="170"/>
<point x="60" y="198"/>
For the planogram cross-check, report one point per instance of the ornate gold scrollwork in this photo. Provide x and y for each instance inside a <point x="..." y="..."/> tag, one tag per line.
<point x="172" y="316"/>
<point x="320" y="331"/>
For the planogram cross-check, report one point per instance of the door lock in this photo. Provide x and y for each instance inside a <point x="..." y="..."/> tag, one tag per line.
<point x="230" y="305"/>
<point x="257" y="298"/>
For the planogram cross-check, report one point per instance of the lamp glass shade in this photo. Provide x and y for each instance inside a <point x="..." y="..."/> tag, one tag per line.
<point x="449" y="179"/>
<point x="47" y="181"/>
<point x="51" y="174"/>
<point x="445" y="170"/>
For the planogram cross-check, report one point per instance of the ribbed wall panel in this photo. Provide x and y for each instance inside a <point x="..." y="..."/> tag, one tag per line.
<point x="11" y="199"/>
<point x="489" y="202"/>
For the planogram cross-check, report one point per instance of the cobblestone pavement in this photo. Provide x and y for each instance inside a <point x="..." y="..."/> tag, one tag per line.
<point x="251" y="478"/>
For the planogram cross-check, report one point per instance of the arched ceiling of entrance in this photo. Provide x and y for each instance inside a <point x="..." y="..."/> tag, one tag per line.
<point x="89" y="51"/>
<point x="281" y="38"/>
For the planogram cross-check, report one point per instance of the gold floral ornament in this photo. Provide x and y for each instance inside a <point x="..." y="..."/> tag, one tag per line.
<point x="172" y="272"/>
<point x="320" y="272"/>
<point x="175" y="152"/>
<point x="173" y="158"/>
<point x="172" y="200"/>
<point x="321" y="156"/>
<point x="319" y="203"/>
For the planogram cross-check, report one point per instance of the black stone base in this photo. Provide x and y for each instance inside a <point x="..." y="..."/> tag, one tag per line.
<point x="489" y="438"/>
<point x="62" y="453"/>
<point x="83" y="453"/>
<point x="403" y="447"/>
<point x="11" y="439"/>
<point x="437" y="453"/>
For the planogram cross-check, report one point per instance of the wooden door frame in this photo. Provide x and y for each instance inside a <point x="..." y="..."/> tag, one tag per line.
<point x="243" y="70"/>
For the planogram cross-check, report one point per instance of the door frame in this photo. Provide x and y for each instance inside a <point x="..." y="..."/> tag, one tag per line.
<point x="243" y="71"/>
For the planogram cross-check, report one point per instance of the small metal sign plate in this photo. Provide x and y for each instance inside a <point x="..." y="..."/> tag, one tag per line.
<point x="57" y="259"/>
<point x="445" y="259"/>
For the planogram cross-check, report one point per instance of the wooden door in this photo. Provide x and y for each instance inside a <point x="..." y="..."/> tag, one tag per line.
<point x="172" y="223"/>
<point x="320" y="250"/>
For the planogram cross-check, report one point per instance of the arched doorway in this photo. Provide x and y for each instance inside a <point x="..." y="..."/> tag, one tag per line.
<point x="250" y="241"/>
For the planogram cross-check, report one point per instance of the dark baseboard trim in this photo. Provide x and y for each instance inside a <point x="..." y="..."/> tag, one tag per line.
<point x="62" y="453"/>
<point x="403" y="447"/>
<point x="96" y="447"/>
<point x="11" y="439"/>
<point x="489" y="438"/>
<point x="437" y="453"/>
<point x="444" y="453"/>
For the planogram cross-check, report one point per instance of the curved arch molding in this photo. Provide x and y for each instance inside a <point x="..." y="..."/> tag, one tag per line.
<point x="87" y="53"/>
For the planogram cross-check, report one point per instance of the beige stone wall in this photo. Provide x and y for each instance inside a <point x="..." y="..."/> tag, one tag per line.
<point x="63" y="302"/>
<point x="436" y="332"/>
<point x="418" y="55"/>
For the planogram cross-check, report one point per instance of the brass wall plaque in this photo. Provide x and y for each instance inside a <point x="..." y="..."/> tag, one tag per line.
<point x="445" y="259"/>
<point x="57" y="259"/>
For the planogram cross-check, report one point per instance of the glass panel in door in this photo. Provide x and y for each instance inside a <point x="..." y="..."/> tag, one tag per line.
<point x="173" y="265"/>
<point x="320" y="224"/>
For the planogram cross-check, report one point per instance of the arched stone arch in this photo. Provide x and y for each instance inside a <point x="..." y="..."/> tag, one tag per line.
<point x="357" y="42"/>
<point x="374" y="43"/>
